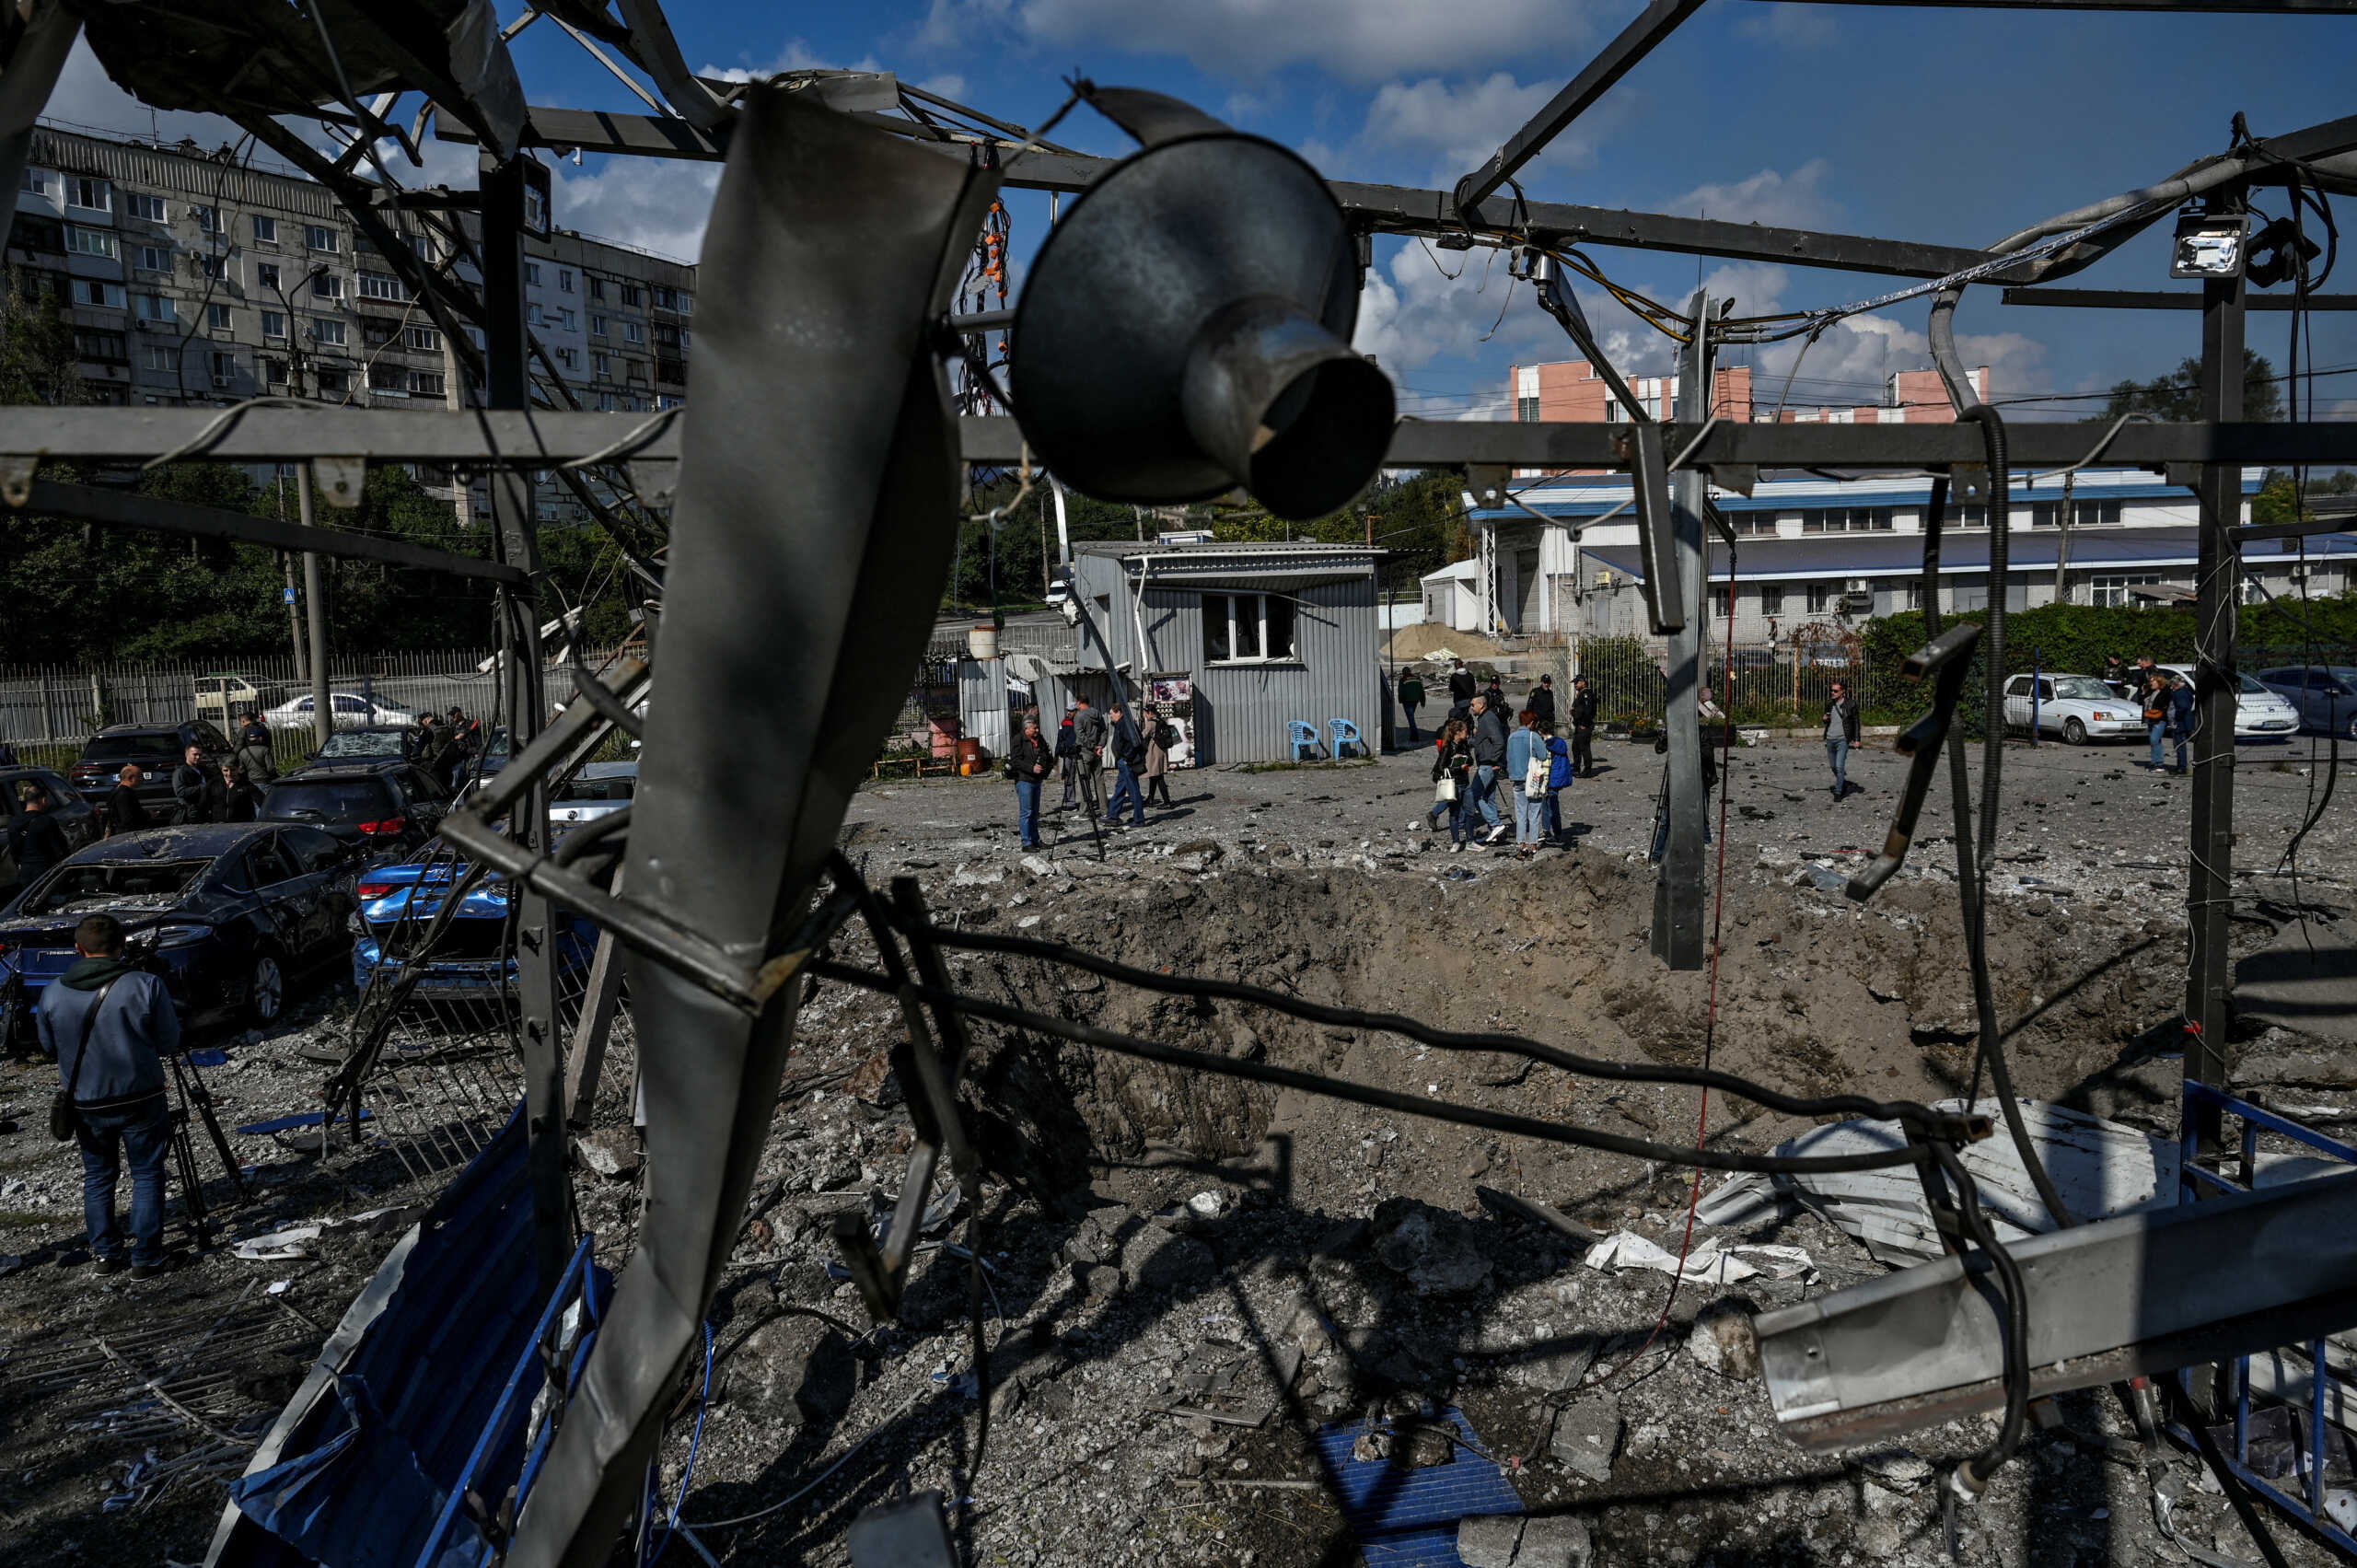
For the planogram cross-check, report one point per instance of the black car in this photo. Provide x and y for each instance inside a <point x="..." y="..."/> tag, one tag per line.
<point x="227" y="912"/>
<point x="375" y="746"/>
<point x="384" y="807"/>
<point x="155" y="748"/>
<point x="76" y="816"/>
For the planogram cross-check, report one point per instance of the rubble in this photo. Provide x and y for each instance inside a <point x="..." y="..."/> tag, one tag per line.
<point x="1587" y="1438"/>
<point x="1511" y="1540"/>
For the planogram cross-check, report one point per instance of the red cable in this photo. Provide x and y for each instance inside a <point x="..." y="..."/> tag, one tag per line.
<point x="1710" y="1011"/>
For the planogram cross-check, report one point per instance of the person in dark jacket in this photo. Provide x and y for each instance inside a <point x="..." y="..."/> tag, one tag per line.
<point x="425" y="744"/>
<point x="2180" y="711"/>
<point x="1068" y="758"/>
<point x="1412" y="697"/>
<point x="1088" y="731"/>
<point x="35" y="841"/>
<point x="109" y="1025"/>
<point x="1496" y="693"/>
<point x="2154" y="694"/>
<point x="1841" y="734"/>
<point x="1583" y="728"/>
<point x="461" y="740"/>
<point x="2116" y="674"/>
<point x="1542" y="702"/>
<point x="1028" y="762"/>
<point x="126" y="813"/>
<point x="1453" y="760"/>
<point x="256" y="753"/>
<point x="196" y="788"/>
<point x="1128" y="748"/>
<point x="1489" y="735"/>
<point x="240" y="800"/>
<point x="1461" y="685"/>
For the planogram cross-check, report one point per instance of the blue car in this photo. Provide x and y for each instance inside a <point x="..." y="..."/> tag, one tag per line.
<point x="229" y="913"/>
<point x="398" y="904"/>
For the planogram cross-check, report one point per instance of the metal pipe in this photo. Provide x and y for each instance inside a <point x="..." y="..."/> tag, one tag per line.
<point x="315" y="607"/>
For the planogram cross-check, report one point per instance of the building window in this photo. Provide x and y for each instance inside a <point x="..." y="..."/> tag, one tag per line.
<point x="424" y="339"/>
<point x="532" y="273"/>
<point x="90" y="290"/>
<point x="213" y="267"/>
<point x="426" y="383"/>
<point x="150" y="208"/>
<point x="596" y="325"/>
<point x="634" y="332"/>
<point x="597" y="288"/>
<point x="568" y="359"/>
<point x="567" y="319"/>
<point x="107" y="348"/>
<point x="153" y="307"/>
<point x="329" y="332"/>
<point x="1527" y="409"/>
<point x="375" y="334"/>
<point x="224" y="370"/>
<point x="151" y="259"/>
<point x="1241" y="627"/>
<point x="33" y="182"/>
<point x="2114" y="591"/>
<point x="332" y="383"/>
<point x="2083" y="513"/>
<point x="90" y="195"/>
<point x="1914" y="593"/>
<point x="29" y="233"/>
<point x="320" y="238"/>
<point x="266" y="275"/>
<point x="269" y="372"/>
<point x="90" y="242"/>
<point x="381" y="285"/>
<point x="157" y="356"/>
<point x="326" y="285"/>
<point x="273" y="325"/>
<point x="208" y="219"/>
<point x="1772" y="601"/>
<point x="1848" y="519"/>
<point x="1762" y="524"/>
<point x="1820" y="597"/>
<point x="1969" y="517"/>
<point x="532" y="314"/>
<point x="602" y="365"/>
<point x="1722" y="603"/>
<point x="217" y="318"/>
<point x="565" y="280"/>
<point x="388" y="379"/>
<point x="265" y="230"/>
<point x="633" y="295"/>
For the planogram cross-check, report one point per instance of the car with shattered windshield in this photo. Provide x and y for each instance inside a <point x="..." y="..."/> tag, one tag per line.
<point x="231" y="915"/>
<point x="461" y="952"/>
<point x="2079" y="708"/>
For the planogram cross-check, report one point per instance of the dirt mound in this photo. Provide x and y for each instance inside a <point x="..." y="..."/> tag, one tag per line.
<point x="1428" y="637"/>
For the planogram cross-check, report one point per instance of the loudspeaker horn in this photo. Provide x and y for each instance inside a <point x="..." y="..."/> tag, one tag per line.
<point x="1186" y="326"/>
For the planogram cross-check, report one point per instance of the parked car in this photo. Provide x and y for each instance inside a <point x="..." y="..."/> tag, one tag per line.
<point x="76" y="816"/>
<point x="2325" y="696"/>
<point x="156" y="750"/>
<point x="351" y="711"/>
<point x="599" y="789"/>
<point x="2259" y="714"/>
<point x="228" y="914"/>
<point x="225" y="696"/>
<point x="388" y="807"/>
<point x="2079" y="708"/>
<point x="471" y="958"/>
<point x="376" y="745"/>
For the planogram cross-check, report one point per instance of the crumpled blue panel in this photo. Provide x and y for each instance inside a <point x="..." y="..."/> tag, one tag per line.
<point x="331" y="1503"/>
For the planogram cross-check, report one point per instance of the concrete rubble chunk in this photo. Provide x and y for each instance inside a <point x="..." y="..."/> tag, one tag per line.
<point x="609" y="1151"/>
<point x="797" y="1366"/>
<point x="1723" y="1338"/>
<point x="1156" y="1261"/>
<point x="1511" y="1540"/>
<point x="1587" y="1438"/>
<point x="1427" y="1247"/>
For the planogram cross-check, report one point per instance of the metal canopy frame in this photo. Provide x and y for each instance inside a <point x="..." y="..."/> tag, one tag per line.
<point x="469" y="99"/>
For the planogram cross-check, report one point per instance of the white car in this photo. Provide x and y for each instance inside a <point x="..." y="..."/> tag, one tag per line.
<point x="352" y="710"/>
<point x="599" y="789"/>
<point x="2077" y="707"/>
<point x="2259" y="714"/>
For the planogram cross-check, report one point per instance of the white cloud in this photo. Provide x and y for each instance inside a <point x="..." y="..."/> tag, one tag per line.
<point x="1463" y="124"/>
<point x="1415" y="314"/>
<point x="795" y="55"/>
<point x="1791" y="26"/>
<point x="1846" y="367"/>
<point x="658" y="204"/>
<point x="1357" y="39"/>
<point x="1784" y="200"/>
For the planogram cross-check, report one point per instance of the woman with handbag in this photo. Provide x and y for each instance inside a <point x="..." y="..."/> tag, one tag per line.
<point x="1526" y="768"/>
<point x="1453" y="779"/>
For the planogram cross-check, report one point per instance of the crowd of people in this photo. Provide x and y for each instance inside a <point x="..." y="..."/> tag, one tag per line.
<point x="1088" y="742"/>
<point x="1480" y="760"/>
<point x="2164" y="699"/>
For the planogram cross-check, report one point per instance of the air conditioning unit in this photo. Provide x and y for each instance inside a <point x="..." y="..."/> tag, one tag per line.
<point x="224" y="383"/>
<point x="1857" y="597"/>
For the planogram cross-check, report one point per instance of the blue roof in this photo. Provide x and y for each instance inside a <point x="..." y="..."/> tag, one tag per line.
<point x="1886" y="554"/>
<point x="1602" y="492"/>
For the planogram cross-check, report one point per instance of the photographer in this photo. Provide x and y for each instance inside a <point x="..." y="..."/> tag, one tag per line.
<point x="108" y="1024"/>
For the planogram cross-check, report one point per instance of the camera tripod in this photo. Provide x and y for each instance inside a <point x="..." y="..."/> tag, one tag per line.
<point x="197" y="1100"/>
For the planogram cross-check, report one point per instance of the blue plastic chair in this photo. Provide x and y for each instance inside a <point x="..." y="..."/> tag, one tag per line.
<point x="1345" y="733"/>
<point x="1301" y="735"/>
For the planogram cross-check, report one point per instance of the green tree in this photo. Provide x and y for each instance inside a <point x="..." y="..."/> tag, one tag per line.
<point x="36" y="344"/>
<point x="2176" y="397"/>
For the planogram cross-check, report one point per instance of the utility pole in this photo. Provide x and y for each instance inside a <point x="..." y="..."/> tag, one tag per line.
<point x="294" y="616"/>
<point x="2217" y="581"/>
<point x="1677" y="938"/>
<point x="509" y="386"/>
<point x="2063" y="521"/>
<point x="315" y="607"/>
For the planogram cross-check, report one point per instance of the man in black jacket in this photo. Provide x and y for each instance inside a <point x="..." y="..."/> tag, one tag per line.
<point x="1841" y="734"/>
<point x="1128" y="747"/>
<point x="108" y="1024"/>
<point x="196" y="789"/>
<point x="1460" y="683"/>
<point x="255" y="753"/>
<point x="1028" y="762"/>
<point x="1489" y="757"/>
<point x="1088" y="732"/>
<point x="1542" y="702"/>
<point x="126" y="812"/>
<point x="35" y="841"/>
<point x="1583" y="728"/>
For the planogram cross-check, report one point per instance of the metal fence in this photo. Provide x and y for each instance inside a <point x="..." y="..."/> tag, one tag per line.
<point x="62" y="704"/>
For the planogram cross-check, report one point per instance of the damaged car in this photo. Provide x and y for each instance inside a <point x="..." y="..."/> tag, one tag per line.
<point x="469" y="957"/>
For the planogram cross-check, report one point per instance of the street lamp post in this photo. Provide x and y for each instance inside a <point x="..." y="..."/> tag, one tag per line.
<point x="314" y="598"/>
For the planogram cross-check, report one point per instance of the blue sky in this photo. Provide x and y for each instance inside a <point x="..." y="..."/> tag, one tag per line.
<point x="1955" y="127"/>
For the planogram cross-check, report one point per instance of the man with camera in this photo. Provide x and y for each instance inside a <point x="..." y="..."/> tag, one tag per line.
<point x="108" y="1024"/>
